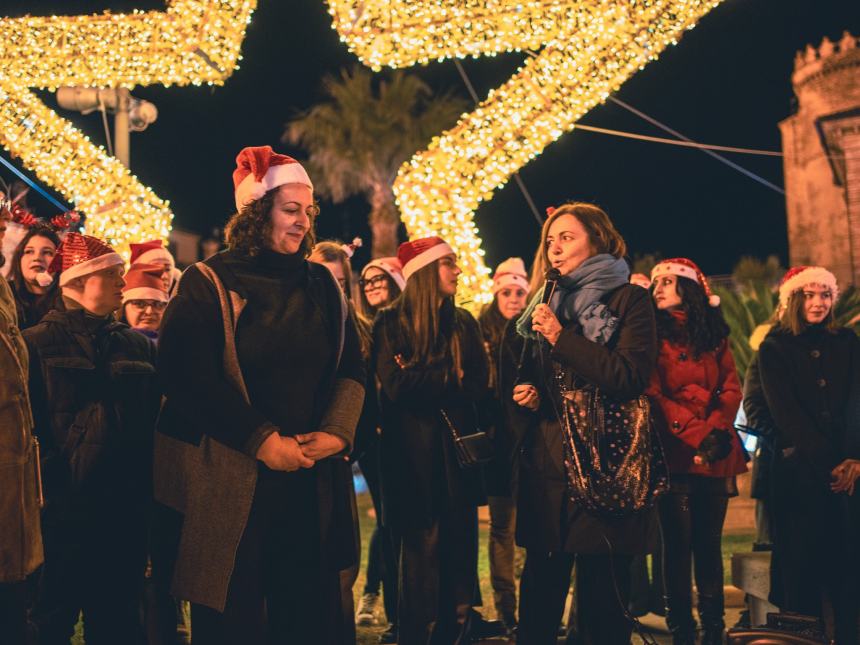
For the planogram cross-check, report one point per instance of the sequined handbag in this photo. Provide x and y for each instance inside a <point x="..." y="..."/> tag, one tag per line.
<point x="613" y="457"/>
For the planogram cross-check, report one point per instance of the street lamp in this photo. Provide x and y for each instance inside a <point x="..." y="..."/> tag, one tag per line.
<point x="130" y="113"/>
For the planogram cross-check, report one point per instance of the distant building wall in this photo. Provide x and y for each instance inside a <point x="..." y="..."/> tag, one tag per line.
<point x="821" y="147"/>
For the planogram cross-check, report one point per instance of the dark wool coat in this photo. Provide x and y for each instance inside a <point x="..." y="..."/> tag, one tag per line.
<point x="208" y="433"/>
<point x="420" y="473"/>
<point x="95" y="400"/>
<point x="807" y="381"/>
<point x="546" y="518"/>
<point x="759" y="419"/>
<point x="20" y="535"/>
<point x="690" y="397"/>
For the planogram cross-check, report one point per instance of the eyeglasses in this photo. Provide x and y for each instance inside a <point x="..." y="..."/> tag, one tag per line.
<point x="376" y="282"/>
<point x="156" y="305"/>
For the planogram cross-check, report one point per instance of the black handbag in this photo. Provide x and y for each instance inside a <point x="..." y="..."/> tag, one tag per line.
<point x="472" y="449"/>
<point x="613" y="457"/>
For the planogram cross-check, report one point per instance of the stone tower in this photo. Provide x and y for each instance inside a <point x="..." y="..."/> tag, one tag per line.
<point x="821" y="147"/>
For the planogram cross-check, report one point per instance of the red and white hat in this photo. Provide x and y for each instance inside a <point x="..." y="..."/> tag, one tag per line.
<point x="143" y="282"/>
<point x="511" y="272"/>
<point x="152" y="252"/>
<point x="684" y="268"/>
<point x="260" y="169"/>
<point x="640" y="280"/>
<point x="391" y="266"/>
<point x="798" y="277"/>
<point x="80" y="255"/>
<point x="417" y="254"/>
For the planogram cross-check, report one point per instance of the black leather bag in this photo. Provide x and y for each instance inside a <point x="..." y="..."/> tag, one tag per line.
<point x="613" y="458"/>
<point x="472" y="449"/>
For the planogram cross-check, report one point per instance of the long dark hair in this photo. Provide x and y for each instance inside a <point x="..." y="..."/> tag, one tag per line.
<point x="430" y="331"/>
<point x="39" y="230"/>
<point x="705" y="328"/>
<point x="492" y="323"/>
<point x="249" y="230"/>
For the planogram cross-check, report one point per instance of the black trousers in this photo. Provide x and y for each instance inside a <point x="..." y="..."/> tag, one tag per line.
<point x="816" y="550"/>
<point x="602" y="594"/>
<point x="384" y="551"/>
<point x="94" y="564"/>
<point x="282" y="591"/>
<point x="692" y="525"/>
<point x="438" y="569"/>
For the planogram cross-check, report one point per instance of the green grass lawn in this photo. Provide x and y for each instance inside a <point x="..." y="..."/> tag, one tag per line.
<point x="368" y="635"/>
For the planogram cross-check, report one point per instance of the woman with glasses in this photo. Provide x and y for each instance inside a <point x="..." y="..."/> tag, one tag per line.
<point x="144" y="299"/>
<point x="380" y="284"/>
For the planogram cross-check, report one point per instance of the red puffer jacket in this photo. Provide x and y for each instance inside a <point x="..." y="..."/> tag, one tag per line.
<point x="690" y="397"/>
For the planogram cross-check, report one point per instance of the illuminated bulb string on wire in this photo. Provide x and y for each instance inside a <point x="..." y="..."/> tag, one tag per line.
<point x="588" y="49"/>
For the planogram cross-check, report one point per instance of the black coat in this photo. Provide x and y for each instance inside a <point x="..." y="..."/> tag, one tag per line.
<point x="420" y="473"/>
<point x="759" y="419"/>
<point x="807" y="381"/>
<point x="546" y="518"/>
<point x="95" y="399"/>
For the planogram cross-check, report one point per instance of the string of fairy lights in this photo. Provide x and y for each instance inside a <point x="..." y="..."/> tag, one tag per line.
<point x="192" y="42"/>
<point x="588" y="50"/>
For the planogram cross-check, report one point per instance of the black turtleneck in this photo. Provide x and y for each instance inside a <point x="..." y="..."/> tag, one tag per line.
<point x="282" y="340"/>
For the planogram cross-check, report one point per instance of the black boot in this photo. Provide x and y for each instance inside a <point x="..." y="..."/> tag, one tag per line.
<point x="711" y="611"/>
<point x="679" y="620"/>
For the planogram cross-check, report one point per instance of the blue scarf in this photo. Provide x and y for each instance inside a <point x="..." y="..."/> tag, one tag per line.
<point x="577" y="298"/>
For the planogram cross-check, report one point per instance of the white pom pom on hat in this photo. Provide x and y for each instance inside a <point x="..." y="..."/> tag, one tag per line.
<point x="686" y="268"/>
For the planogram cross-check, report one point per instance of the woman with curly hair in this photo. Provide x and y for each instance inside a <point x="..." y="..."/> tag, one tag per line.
<point x="810" y="372"/>
<point x="264" y="381"/>
<point x="695" y="394"/>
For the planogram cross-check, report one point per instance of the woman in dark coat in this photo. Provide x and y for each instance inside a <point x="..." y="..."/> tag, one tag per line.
<point x="264" y="381"/>
<point x="504" y="348"/>
<point x="35" y="290"/>
<point x="597" y="330"/>
<point x="431" y="365"/>
<point x="810" y="371"/>
<point x="695" y="394"/>
<point x="380" y="284"/>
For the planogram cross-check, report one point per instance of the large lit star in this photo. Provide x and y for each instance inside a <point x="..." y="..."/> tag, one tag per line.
<point x="192" y="42"/>
<point x="587" y="50"/>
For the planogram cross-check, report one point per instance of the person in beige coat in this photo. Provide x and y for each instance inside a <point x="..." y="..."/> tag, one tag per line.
<point x="20" y="488"/>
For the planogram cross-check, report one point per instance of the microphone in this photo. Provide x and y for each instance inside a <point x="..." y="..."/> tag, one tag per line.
<point x="552" y="278"/>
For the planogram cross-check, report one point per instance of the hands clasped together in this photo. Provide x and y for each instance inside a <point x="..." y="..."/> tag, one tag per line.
<point x="302" y="451"/>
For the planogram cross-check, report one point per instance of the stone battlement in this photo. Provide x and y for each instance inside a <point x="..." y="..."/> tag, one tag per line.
<point x="826" y="57"/>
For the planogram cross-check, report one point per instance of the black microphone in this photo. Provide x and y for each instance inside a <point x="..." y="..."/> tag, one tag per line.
<point x="552" y="278"/>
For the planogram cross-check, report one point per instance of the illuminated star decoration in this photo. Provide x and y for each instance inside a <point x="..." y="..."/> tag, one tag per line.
<point x="192" y="42"/>
<point x="588" y="49"/>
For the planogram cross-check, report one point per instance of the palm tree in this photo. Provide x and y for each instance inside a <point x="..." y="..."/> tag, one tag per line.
<point x="360" y="136"/>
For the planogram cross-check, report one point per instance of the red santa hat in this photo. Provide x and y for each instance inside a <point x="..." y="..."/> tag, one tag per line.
<point x="143" y="282"/>
<point x="80" y="255"/>
<point x="798" y="277"/>
<point x="684" y="268"/>
<point x="511" y="272"/>
<point x="152" y="252"/>
<point x="641" y="280"/>
<point x="391" y="266"/>
<point x="260" y="169"/>
<point x="417" y="254"/>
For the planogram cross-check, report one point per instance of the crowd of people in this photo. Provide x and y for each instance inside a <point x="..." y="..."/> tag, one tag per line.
<point x="174" y="441"/>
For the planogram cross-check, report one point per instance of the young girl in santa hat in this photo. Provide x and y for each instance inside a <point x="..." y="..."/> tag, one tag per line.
<point x="810" y="371"/>
<point x="36" y="291"/>
<point x="504" y="347"/>
<point x="695" y="394"/>
<point x="430" y="361"/>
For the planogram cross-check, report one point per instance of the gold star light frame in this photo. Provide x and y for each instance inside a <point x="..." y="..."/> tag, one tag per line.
<point x="587" y="49"/>
<point x="192" y="42"/>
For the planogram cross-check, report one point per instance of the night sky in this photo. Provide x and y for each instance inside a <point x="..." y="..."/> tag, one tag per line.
<point x="727" y="82"/>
